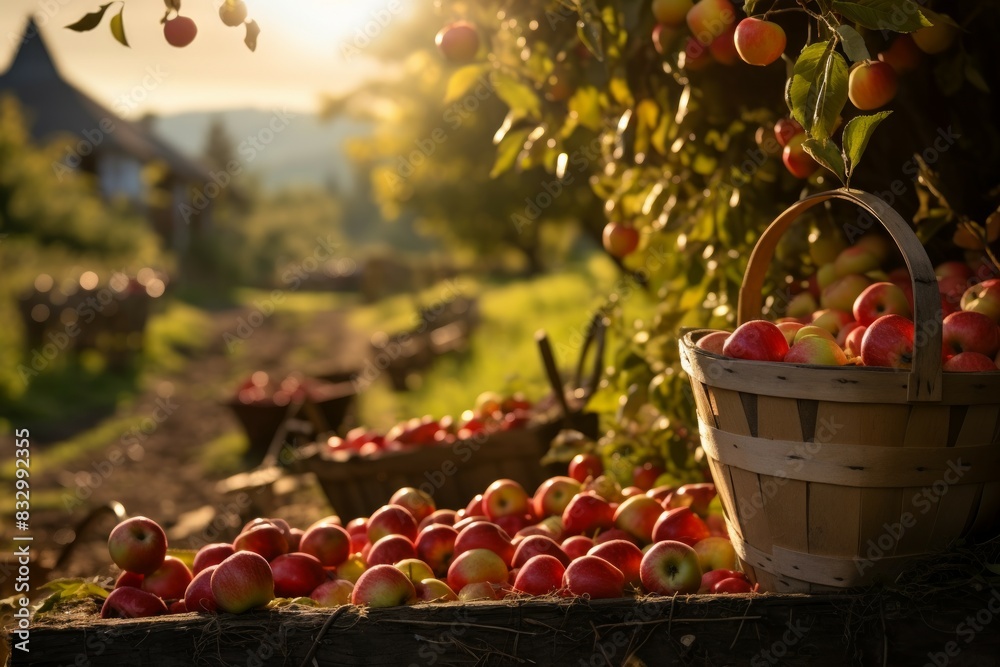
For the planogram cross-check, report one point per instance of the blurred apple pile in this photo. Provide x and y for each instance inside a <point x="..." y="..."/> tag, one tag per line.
<point x="492" y="413"/>
<point x="263" y="389"/>
<point x="582" y="536"/>
<point x="853" y="312"/>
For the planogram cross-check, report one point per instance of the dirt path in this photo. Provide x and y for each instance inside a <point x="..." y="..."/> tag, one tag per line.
<point x="155" y="466"/>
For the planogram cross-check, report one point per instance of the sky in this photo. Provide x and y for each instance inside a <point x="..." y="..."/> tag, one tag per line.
<point x="306" y="48"/>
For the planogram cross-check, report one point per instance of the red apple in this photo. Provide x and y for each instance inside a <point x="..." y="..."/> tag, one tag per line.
<point x="390" y="549"/>
<point x="505" y="497"/>
<point x="138" y="545"/>
<point x="871" y="84"/>
<point x="583" y="466"/>
<point x="888" y="341"/>
<point x="732" y="585"/>
<point x="476" y="565"/>
<point x="130" y="579"/>
<point x="853" y="343"/>
<point x="391" y="520"/>
<point x="419" y="503"/>
<point x="168" y="581"/>
<point x="953" y="269"/>
<point x="798" y="162"/>
<point x="902" y="55"/>
<point x="759" y="340"/>
<point x="587" y="513"/>
<point x="211" y="554"/>
<point x="478" y="590"/>
<point x="435" y="546"/>
<point x="723" y="47"/>
<point x="712" y="577"/>
<point x="442" y="517"/>
<point x="577" y="545"/>
<point x="816" y="351"/>
<point x="681" y="525"/>
<point x="713" y="342"/>
<point x="536" y="545"/>
<point x="553" y="495"/>
<point x="969" y="362"/>
<point x="833" y="321"/>
<point x="475" y="506"/>
<point x="969" y="331"/>
<point x="296" y="574"/>
<point x="198" y="595"/>
<point x="785" y="129"/>
<point x="179" y="31"/>
<point x="330" y="543"/>
<point x="670" y="567"/>
<point x="696" y="496"/>
<point x="644" y="476"/>
<point x="759" y="42"/>
<point x="242" y="582"/>
<point x="619" y="240"/>
<point x="880" y="299"/>
<point x="715" y="553"/>
<point x="594" y="577"/>
<point x="625" y="556"/>
<point x="541" y="574"/>
<point x="661" y="493"/>
<point x="129" y="602"/>
<point x="637" y="516"/>
<point x="458" y="42"/>
<point x="333" y="593"/>
<point x="709" y="19"/>
<point x="383" y="586"/>
<point x="485" y="535"/>
<point x="266" y="539"/>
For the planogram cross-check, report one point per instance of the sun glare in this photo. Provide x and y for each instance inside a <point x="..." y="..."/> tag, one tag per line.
<point x="328" y="24"/>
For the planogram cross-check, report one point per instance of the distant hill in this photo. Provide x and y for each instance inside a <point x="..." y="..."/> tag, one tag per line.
<point x="306" y="151"/>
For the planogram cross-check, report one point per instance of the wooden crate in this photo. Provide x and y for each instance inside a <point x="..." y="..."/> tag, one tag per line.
<point x="840" y="477"/>
<point x="261" y="421"/>
<point x="452" y="473"/>
<point x="814" y="631"/>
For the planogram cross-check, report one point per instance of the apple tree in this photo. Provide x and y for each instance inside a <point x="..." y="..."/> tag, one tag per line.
<point x="656" y="108"/>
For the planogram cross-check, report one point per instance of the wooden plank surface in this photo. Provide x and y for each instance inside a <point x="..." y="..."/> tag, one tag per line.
<point x="689" y="630"/>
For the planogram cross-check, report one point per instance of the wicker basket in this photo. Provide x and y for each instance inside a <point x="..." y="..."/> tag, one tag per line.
<point x="841" y="477"/>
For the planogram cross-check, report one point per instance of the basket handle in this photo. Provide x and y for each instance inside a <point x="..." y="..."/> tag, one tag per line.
<point x="925" y="371"/>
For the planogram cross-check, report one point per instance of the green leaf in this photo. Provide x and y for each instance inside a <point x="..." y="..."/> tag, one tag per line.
<point x="818" y="89"/>
<point x="590" y="30"/>
<point x="90" y="21"/>
<point x="586" y="106"/>
<point x="519" y="97"/>
<point x="118" y="27"/>
<point x="251" y="37"/>
<point x="508" y="150"/>
<point x="975" y="77"/>
<point x="854" y="44"/>
<point x="895" y="15"/>
<point x="936" y="18"/>
<point x="463" y="79"/>
<point x="827" y="154"/>
<point x="749" y="6"/>
<point x="70" y="589"/>
<point x="857" y="132"/>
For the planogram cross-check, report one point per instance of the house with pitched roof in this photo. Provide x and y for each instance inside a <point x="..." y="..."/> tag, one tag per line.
<point x="129" y="162"/>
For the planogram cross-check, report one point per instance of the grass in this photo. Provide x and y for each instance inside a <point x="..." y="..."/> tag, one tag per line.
<point x="503" y="355"/>
<point x="224" y="455"/>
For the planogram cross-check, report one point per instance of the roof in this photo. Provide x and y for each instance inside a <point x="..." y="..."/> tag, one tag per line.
<point x="55" y="107"/>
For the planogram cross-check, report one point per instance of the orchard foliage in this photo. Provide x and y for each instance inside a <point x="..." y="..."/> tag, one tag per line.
<point x="674" y="133"/>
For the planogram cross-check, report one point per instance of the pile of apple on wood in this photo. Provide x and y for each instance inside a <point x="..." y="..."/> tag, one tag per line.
<point x="492" y="413"/>
<point x="569" y="540"/>
<point x="864" y="316"/>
